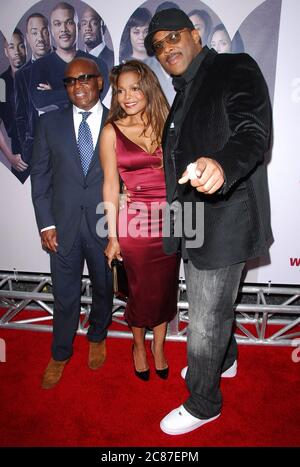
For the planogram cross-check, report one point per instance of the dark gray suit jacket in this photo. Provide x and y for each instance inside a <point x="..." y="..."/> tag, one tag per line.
<point x="61" y="193"/>
<point x="26" y="116"/>
<point x="227" y="117"/>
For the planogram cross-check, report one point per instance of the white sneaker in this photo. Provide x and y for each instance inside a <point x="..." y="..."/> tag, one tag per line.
<point x="180" y="421"/>
<point x="229" y="373"/>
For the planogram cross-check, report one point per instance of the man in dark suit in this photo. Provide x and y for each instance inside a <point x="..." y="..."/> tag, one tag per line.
<point x="38" y="38"/>
<point x="220" y="122"/>
<point x="66" y="182"/>
<point x="92" y="30"/>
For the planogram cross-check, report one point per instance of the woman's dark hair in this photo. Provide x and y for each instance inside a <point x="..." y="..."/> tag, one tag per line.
<point x="140" y="17"/>
<point x="157" y="107"/>
<point x="237" y="44"/>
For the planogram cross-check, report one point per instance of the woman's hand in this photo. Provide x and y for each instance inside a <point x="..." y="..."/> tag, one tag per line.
<point x="124" y="197"/>
<point x="113" y="251"/>
<point x="17" y="162"/>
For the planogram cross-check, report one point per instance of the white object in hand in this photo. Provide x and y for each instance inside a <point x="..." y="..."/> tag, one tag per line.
<point x="191" y="171"/>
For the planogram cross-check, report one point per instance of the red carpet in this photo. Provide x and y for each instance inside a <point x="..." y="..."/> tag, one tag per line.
<point x="111" y="407"/>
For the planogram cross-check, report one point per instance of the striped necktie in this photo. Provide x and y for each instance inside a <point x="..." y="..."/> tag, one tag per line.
<point x="85" y="142"/>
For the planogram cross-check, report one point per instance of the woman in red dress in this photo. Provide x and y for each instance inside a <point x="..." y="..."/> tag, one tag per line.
<point x="130" y="149"/>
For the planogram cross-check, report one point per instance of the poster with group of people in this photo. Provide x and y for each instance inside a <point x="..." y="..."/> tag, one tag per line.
<point x="50" y="34"/>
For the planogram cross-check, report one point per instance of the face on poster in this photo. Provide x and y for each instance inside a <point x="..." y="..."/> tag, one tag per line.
<point x="32" y="61"/>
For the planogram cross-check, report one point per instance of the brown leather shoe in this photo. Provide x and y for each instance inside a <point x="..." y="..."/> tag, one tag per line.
<point x="53" y="373"/>
<point x="97" y="354"/>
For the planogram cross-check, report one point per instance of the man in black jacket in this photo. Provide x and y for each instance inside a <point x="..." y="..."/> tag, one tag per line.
<point x="38" y="38"/>
<point x="15" y="51"/>
<point x="214" y="144"/>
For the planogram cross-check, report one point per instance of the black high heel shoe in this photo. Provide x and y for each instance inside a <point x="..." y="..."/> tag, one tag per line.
<point x="164" y="373"/>
<point x="143" y="375"/>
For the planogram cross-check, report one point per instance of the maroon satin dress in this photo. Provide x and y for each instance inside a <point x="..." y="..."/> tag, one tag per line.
<point x="152" y="275"/>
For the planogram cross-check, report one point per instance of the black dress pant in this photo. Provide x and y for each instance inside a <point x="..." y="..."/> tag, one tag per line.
<point x="66" y="272"/>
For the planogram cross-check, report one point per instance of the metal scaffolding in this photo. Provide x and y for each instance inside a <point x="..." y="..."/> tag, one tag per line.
<point x="27" y="302"/>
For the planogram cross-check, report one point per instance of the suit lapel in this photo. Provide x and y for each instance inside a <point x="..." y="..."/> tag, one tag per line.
<point x="168" y="121"/>
<point x="71" y="138"/>
<point x="96" y="151"/>
<point x="198" y="81"/>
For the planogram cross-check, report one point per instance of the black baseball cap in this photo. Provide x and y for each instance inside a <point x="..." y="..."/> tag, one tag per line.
<point x="171" y="19"/>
